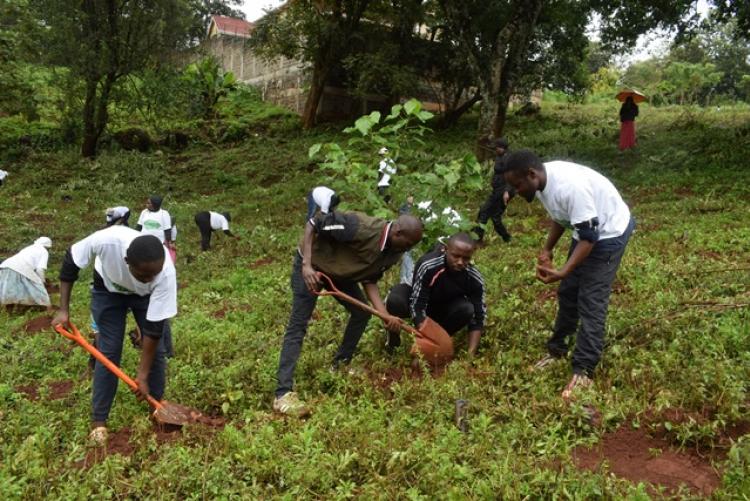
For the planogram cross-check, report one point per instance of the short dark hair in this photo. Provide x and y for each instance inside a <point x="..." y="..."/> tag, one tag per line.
<point x="521" y="161"/>
<point x="145" y="249"/>
<point x="462" y="237"/>
<point x="227" y="216"/>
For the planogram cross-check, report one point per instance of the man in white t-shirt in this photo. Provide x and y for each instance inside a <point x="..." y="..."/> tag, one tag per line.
<point x="3" y="175"/>
<point x="387" y="168"/>
<point x="582" y="200"/>
<point x="208" y="222"/>
<point x="131" y="272"/>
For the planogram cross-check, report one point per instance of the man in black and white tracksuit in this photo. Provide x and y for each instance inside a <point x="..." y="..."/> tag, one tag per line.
<point x="578" y="198"/>
<point x="447" y="288"/>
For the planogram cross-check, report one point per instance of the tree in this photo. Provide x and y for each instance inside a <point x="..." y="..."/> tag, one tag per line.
<point x="317" y="32"/>
<point x="101" y="41"/>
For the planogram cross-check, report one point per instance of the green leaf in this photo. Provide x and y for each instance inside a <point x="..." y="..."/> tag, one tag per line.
<point x="363" y="125"/>
<point x="395" y="111"/>
<point x="424" y="115"/>
<point x="412" y="107"/>
<point x="374" y="117"/>
<point x="314" y="149"/>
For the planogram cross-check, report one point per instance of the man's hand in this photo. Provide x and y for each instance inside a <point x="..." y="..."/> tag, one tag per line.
<point x="310" y="276"/>
<point x="393" y="324"/>
<point x="143" y="390"/>
<point x="544" y="258"/>
<point x="548" y="274"/>
<point x="506" y="198"/>
<point x="62" y="317"/>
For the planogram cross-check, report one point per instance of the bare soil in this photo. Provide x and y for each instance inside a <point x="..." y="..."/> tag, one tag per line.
<point x="60" y="389"/>
<point x="38" y="324"/>
<point x="31" y="390"/>
<point x="634" y="455"/>
<point x="261" y="262"/>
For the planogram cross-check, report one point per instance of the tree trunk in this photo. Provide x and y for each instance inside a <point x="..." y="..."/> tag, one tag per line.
<point x="317" y="85"/>
<point x="88" y="147"/>
<point x="451" y="116"/>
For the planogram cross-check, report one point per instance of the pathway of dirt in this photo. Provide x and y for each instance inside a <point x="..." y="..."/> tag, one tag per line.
<point x="261" y="262"/>
<point x="633" y="455"/>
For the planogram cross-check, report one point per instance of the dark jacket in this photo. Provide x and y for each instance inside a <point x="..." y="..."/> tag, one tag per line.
<point x="435" y="286"/>
<point x="628" y="111"/>
<point x="351" y="246"/>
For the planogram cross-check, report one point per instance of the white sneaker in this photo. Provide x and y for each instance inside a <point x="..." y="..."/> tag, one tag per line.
<point x="577" y="383"/>
<point x="290" y="404"/>
<point x="546" y="362"/>
<point x="98" y="436"/>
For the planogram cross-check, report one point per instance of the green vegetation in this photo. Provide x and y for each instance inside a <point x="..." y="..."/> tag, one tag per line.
<point x="675" y="340"/>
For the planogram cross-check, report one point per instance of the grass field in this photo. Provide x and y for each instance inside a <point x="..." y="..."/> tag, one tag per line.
<point x="673" y="381"/>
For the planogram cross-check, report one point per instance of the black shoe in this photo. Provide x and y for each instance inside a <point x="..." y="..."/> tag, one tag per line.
<point x="506" y="238"/>
<point x="392" y="341"/>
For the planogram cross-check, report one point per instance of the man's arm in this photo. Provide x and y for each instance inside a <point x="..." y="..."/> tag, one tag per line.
<point x="588" y="235"/>
<point x="151" y="334"/>
<point x="555" y="232"/>
<point x="476" y="324"/>
<point x="308" y="272"/>
<point x="373" y="294"/>
<point x="68" y="275"/>
<point x="474" y="337"/>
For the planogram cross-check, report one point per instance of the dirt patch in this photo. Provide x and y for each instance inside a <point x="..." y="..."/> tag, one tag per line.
<point x="183" y="285"/>
<point x="260" y="262"/>
<point x="220" y="313"/>
<point x="118" y="442"/>
<point x="684" y="191"/>
<point x="715" y="446"/>
<point x="635" y="456"/>
<point x="385" y="379"/>
<point x="59" y="389"/>
<point x="38" y="324"/>
<point x="709" y="254"/>
<point x="30" y="390"/>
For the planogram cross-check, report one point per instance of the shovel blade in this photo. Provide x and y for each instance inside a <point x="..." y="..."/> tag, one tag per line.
<point x="434" y="344"/>
<point x="174" y="414"/>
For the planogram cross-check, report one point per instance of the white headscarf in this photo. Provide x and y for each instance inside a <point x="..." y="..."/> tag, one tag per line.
<point x="44" y="242"/>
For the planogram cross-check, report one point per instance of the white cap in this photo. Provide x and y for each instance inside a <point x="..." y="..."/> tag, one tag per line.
<point x="44" y="242"/>
<point x="383" y="150"/>
<point x="115" y="213"/>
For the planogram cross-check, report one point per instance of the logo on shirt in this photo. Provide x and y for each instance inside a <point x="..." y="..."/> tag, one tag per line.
<point x="120" y="288"/>
<point x="152" y="225"/>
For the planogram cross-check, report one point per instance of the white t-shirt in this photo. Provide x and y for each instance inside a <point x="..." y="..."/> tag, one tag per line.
<point x="575" y="193"/>
<point x="154" y="223"/>
<point x="388" y="168"/>
<point x="3" y="175"/>
<point x="218" y="221"/>
<point x="108" y="248"/>
<point x="28" y="262"/>
<point x="322" y="197"/>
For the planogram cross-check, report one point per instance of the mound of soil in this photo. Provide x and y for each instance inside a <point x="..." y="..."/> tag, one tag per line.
<point x="30" y="390"/>
<point x="635" y="456"/>
<point x="60" y="389"/>
<point x="38" y="324"/>
<point x="261" y="262"/>
<point x="118" y="442"/>
<point x="220" y="313"/>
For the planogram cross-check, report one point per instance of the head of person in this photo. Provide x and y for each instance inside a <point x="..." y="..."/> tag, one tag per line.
<point x="406" y="232"/>
<point x="525" y="172"/>
<point x="117" y="215"/>
<point x="227" y="216"/>
<point x="383" y="151"/>
<point x="459" y="249"/>
<point x="501" y="146"/>
<point x="44" y="242"/>
<point x="153" y="203"/>
<point x="145" y="258"/>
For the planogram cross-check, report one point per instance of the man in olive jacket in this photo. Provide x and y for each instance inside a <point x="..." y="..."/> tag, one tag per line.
<point x="351" y="248"/>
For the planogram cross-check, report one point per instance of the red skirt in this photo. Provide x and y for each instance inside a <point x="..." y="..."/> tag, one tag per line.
<point x="627" y="134"/>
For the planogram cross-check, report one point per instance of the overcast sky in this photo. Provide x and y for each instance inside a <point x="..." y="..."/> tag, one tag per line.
<point x="648" y="45"/>
<point x="254" y="8"/>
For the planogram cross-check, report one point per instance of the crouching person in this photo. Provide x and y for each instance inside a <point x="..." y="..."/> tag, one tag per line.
<point x="446" y="288"/>
<point x="131" y="272"/>
<point x="351" y="248"/>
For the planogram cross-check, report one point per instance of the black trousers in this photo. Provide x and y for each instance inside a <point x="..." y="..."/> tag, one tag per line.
<point x="493" y="208"/>
<point x="203" y="220"/>
<point x="583" y="298"/>
<point x="452" y="317"/>
<point x="303" y="305"/>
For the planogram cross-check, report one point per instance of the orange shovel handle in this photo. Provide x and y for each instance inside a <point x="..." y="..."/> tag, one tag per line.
<point x="78" y="338"/>
<point x="333" y="291"/>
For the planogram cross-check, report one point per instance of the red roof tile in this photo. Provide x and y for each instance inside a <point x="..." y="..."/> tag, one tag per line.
<point x="232" y="26"/>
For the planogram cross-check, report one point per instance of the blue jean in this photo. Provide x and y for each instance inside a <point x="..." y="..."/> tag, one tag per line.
<point x="583" y="297"/>
<point x="407" y="269"/>
<point x="303" y="305"/>
<point x="109" y="311"/>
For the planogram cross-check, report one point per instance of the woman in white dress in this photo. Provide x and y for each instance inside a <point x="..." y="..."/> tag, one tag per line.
<point x="22" y="275"/>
